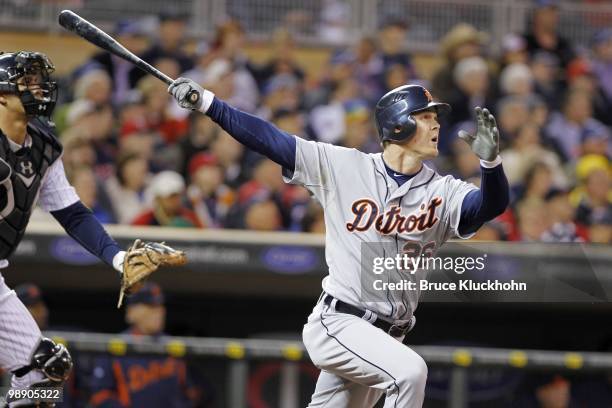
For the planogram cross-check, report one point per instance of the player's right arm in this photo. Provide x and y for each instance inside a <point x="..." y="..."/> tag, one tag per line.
<point x="253" y="132"/>
<point x="304" y="162"/>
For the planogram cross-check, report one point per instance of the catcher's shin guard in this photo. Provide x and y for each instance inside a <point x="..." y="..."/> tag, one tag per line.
<point x="54" y="362"/>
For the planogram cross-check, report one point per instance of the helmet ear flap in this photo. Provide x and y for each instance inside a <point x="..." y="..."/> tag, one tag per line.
<point x="410" y="126"/>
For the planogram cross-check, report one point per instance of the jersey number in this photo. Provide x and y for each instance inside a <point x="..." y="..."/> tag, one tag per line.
<point x="415" y="250"/>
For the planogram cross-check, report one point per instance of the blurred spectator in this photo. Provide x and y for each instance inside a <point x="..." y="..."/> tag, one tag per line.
<point x="209" y="197"/>
<point x="141" y="380"/>
<point x="329" y="121"/>
<point x="282" y="60"/>
<point x="593" y="196"/>
<point x="581" y="77"/>
<point x="84" y="181"/>
<point x="314" y="220"/>
<point x="202" y="132"/>
<point x="124" y="75"/>
<point x="96" y="122"/>
<point x="31" y="296"/>
<point x="574" y="131"/>
<point x="545" y="71"/>
<point x="126" y="188"/>
<point x="259" y="199"/>
<point x="462" y="41"/>
<point x="142" y="143"/>
<point x="465" y="163"/>
<point x="392" y="43"/>
<point x="265" y="175"/>
<point x="262" y="214"/>
<point x="232" y="84"/>
<point x="516" y="79"/>
<point x="543" y="33"/>
<point x="335" y="21"/>
<point x="158" y="116"/>
<point x="537" y="182"/>
<point x="368" y="69"/>
<point x="78" y="151"/>
<point x="281" y="93"/>
<point x="338" y="78"/>
<point x="546" y="391"/>
<point x="359" y="133"/>
<point x="532" y="218"/>
<point x="526" y="148"/>
<point x="471" y="88"/>
<point x="229" y="153"/>
<point x="602" y="61"/>
<point x="561" y="216"/>
<point x="514" y="50"/>
<point x="395" y="75"/>
<point x="291" y="121"/>
<point x="538" y="110"/>
<point x="228" y="46"/>
<point x="169" y="43"/>
<point x="167" y="190"/>
<point x="512" y="113"/>
<point x="93" y="87"/>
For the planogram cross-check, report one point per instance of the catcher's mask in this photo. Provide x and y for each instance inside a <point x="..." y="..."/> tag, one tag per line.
<point x="28" y="75"/>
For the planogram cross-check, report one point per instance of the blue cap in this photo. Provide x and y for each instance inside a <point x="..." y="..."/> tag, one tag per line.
<point x="149" y="294"/>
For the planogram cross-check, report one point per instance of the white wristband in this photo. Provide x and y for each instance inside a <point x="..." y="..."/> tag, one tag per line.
<point x="490" y="164"/>
<point x="207" y="100"/>
<point x="118" y="261"/>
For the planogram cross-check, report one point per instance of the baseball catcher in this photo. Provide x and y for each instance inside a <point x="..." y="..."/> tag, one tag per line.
<point x="31" y="169"/>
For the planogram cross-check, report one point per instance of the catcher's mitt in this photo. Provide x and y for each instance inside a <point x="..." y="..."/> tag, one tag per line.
<point x="141" y="260"/>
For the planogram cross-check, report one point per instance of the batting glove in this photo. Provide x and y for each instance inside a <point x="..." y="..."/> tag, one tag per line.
<point x="180" y="90"/>
<point x="485" y="144"/>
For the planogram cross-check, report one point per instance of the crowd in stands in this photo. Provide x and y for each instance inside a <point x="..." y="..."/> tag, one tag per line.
<point x="136" y="158"/>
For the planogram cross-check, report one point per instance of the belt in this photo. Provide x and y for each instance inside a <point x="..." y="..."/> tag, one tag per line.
<point x="390" y="328"/>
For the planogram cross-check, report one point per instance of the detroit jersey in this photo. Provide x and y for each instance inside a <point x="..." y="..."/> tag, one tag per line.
<point x="368" y="215"/>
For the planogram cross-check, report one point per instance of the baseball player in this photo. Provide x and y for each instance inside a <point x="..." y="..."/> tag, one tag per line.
<point x="31" y="170"/>
<point x="390" y="199"/>
<point x="141" y="380"/>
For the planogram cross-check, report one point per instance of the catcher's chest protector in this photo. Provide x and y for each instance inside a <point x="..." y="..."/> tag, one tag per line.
<point x="19" y="192"/>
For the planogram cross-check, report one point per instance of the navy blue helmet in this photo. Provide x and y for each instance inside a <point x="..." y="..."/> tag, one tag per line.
<point x="28" y="75"/>
<point x="394" y="111"/>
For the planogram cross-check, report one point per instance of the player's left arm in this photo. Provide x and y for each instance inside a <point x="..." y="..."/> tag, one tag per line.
<point x="484" y="204"/>
<point x="59" y="198"/>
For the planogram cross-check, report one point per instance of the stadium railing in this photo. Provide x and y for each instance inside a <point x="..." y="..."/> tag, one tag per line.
<point x="239" y="352"/>
<point x="321" y="23"/>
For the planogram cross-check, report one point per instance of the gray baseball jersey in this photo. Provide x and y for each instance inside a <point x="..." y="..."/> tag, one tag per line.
<point x="368" y="215"/>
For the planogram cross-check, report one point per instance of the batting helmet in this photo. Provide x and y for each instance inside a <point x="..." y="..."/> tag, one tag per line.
<point x="37" y="92"/>
<point x="394" y="111"/>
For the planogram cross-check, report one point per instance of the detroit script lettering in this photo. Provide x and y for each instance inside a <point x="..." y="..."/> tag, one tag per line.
<point x="367" y="214"/>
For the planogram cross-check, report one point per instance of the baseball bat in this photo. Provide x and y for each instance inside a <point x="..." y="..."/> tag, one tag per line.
<point x="83" y="28"/>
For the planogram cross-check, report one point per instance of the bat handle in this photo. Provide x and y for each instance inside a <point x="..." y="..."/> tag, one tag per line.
<point x="193" y="97"/>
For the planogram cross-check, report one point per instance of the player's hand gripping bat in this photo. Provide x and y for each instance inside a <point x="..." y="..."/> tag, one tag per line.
<point x="83" y="28"/>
